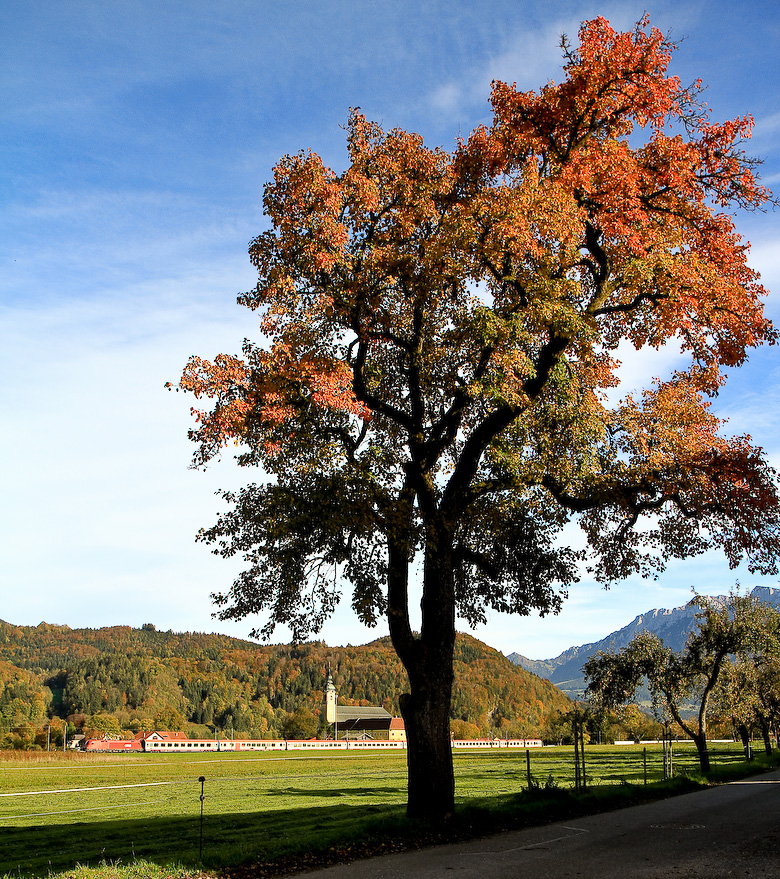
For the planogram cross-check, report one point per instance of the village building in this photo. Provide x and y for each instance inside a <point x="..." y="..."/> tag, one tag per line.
<point x="160" y="736"/>
<point x="397" y="732"/>
<point x="358" y="721"/>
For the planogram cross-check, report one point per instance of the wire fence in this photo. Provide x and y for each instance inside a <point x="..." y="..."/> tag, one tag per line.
<point x="643" y="764"/>
<point x="582" y="767"/>
<point x="227" y="808"/>
<point x="146" y="787"/>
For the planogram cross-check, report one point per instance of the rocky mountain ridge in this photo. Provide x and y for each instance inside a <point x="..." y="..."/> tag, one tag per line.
<point x="672" y="625"/>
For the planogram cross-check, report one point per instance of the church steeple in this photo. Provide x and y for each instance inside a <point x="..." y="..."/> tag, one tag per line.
<point x="330" y="700"/>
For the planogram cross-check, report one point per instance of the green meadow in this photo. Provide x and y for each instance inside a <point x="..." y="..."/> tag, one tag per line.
<point x="63" y="812"/>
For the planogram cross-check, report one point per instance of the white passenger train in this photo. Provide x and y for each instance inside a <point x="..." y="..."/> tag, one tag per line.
<point x="198" y="745"/>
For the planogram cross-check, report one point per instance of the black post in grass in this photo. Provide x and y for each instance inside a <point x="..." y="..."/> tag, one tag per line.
<point x="576" y="731"/>
<point x="202" y="780"/>
<point x="528" y="766"/>
<point x="578" y="728"/>
<point x="667" y="750"/>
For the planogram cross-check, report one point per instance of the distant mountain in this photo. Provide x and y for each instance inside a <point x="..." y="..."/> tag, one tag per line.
<point x="671" y="626"/>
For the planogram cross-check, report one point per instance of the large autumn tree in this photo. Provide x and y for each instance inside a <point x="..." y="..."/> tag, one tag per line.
<point x="433" y="393"/>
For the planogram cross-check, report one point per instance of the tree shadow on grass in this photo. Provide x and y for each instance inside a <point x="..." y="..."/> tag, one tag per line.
<point x="332" y="793"/>
<point x="228" y="839"/>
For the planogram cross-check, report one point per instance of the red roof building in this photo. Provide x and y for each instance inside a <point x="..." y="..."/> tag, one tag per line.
<point x="160" y="736"/>
<point x="397" y="732"/>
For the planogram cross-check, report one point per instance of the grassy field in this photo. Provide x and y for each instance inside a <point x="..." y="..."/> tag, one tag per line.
<point x="62" y="810"/>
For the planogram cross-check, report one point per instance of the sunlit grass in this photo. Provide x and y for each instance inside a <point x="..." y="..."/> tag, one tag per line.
<point x="115" y="814"/>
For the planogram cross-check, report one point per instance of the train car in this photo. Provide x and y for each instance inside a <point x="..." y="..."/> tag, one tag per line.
<point x="343" y="744"/>
<point x="113" y="745"/>
<point x="190" y="746"/>
<point x="308" y="744"/>
<point x="496" y="743"/>
<point x="258" y="745"/>
<point x="174" y="745"/>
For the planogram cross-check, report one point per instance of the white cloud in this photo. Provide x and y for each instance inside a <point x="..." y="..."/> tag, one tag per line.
<point x="529" y="55"/>
<point x="100" y="509"/>
<point x="639" y="368"/>
<point x="765" y="133"/>
<point x="529" y="58"/>
<point x="765" y="258"/>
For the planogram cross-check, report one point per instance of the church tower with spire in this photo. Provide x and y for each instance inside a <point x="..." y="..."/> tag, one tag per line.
<point x="330" y="700"/>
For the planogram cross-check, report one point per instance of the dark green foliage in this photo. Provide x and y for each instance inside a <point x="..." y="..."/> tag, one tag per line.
<point x="300" y="724"/>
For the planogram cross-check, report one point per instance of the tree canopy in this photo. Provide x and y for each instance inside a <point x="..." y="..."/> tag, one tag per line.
<point x="436" y="378"/>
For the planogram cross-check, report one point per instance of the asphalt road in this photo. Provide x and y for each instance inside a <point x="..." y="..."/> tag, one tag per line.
<point x="728" y="831"/>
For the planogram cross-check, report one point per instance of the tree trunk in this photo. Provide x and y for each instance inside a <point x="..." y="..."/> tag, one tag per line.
<point x="744" y="736"/>
<point x="764" y="724"/>
<point x="426" y="713"/>
<point x="428" y="661"/>
<point x="704" y="755"/>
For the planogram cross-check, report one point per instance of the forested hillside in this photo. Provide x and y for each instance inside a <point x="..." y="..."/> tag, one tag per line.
<point x="120" y="678"/>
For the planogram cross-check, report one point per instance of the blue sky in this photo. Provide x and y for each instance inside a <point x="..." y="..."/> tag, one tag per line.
<point x="136" y="138"/>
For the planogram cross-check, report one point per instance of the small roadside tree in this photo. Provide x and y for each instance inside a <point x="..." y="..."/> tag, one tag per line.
<point x="678" y="680"/>
<point x="768" y="713"/>
<point x="737" y="696"/>
<point x="749" y="688"/>
<point x="432" y="393"/>
<point x="557" y="728"/>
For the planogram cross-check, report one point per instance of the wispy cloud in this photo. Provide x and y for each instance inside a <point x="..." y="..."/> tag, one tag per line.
<point x="528" y="57"/>
<point x="529" y="54"/>
<point x="100" y="455"/>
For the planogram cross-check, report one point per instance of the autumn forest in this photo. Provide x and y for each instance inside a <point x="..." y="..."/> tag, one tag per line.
<point x="119" y="679"/>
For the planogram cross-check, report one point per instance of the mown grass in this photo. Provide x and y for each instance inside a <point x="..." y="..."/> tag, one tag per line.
<point x="85" y="820"/>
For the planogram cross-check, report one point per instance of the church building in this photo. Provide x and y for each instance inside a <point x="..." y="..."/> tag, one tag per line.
<point x="355" y="721"/>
